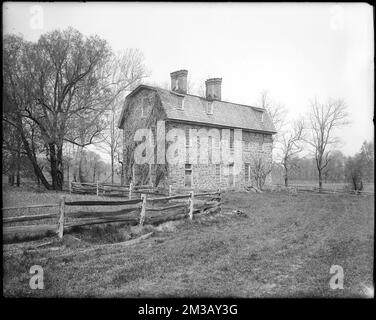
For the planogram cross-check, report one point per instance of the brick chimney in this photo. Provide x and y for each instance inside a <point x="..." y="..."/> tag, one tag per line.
<point x="213" y="88"/>
<point x="179" y="81"/>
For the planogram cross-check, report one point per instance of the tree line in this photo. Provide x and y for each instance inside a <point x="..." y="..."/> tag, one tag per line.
<point x="316" y="134"/>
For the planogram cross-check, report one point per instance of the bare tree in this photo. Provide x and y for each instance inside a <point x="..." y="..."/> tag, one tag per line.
<point x="260" y="168"/>
<point x="334" y="171"/>
<point x="324" y="120"/>
<point x="127" y="71"/>
<point x="368" y="155"/>
<point x="360" y="167"/>
<point x="276" y="111"/>
<point x="291" y="145"/>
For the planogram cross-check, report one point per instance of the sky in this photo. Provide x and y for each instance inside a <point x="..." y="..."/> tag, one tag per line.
<point x="296" y="52"/>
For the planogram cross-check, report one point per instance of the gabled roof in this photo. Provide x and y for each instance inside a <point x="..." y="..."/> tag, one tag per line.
<point x="225" y="114"/>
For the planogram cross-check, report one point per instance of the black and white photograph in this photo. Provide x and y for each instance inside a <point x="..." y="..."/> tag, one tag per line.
<point x="188" y="150"/>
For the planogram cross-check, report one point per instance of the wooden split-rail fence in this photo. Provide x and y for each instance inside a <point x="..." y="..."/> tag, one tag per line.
<point x="315" y="189"/>
<point x="108" y="190"/>
<point x="132" y="211"/>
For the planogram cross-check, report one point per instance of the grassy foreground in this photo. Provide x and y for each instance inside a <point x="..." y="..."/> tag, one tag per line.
<point x="284" y="247"/>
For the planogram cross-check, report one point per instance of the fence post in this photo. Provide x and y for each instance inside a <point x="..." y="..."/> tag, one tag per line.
<point x="169" y="191"/>
<point x="61" y="219"/>
<point x="150" y="177"/>
<point x="220" y="200"/>
<point x="191" y="198"/>
<point x="70" y="186"/>
<point x="143" y="209"/>
<point x="130" y="190"/>
<point x="97" y="189"/>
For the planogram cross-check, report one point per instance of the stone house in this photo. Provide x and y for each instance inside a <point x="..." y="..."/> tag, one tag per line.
<point x="207" y="124"/>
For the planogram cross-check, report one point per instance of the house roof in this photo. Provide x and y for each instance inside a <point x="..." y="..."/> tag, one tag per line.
<point x="225" y="114"/>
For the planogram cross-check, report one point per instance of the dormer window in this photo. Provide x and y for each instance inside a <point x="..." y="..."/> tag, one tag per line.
<point x="260" y="115"/>
<point x="176" y="84"/>
<point x="209" y="107"/>
<point x="181" y="103"/>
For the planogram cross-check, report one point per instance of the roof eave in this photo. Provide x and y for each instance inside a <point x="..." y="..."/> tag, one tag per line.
<point x="221" y="126"/>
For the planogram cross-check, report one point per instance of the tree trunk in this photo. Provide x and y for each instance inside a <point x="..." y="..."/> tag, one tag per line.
<point x="320" y="180"/>
<point x="68" y="172"/>
<point x="80" y="171"/>
<point x="122" y="174"/>
<point x="37" y="170"/>
<point x="18" y="178"/>
<point x="286" y="176"/>
<point x="112" y="146"/>
<point x="60" y="167"/>
<point x="11" y="179"/>
<point x="56" y="163"/>
<point x="112" y="167"/>
<point x="18" y="165"/>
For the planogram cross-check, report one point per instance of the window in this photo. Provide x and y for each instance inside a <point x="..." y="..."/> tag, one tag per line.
<point x="247" y="172"/>
<point x="198" y="149"/>
<point x="176" y="84"/>
<point x="187" y="142"/>
<point x="261" y="143"/>
<point x="210" y="149"/>
<point x="181" y="103"/>
<point x="259" y="115"/>
<point x="144" y="107"/>
<point x="188" y="176"/>
<point x="231" y="139"/>
<point x="218" y="170"/>
<point x="209" y="107"/>
<point x="231" y="179"/>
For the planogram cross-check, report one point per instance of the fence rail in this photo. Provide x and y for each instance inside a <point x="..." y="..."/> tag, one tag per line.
<point x="102" y="203"/>
<point x="133" y="211"/>
<point x="31" y="206"/>
<point x="26" y="218"/>
<point x="307" y="188"/>
<point x="108" y="190"/>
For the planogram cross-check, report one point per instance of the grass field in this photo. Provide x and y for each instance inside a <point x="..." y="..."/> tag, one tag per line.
<point x="284" y="247"/>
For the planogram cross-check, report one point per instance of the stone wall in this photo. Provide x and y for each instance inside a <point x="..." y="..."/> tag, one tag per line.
<point x="134" y="120"/>
<point x="205" y="176"/>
